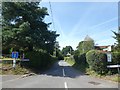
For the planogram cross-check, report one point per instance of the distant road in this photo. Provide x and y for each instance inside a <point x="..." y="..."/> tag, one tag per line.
<point x="61" y="75"/>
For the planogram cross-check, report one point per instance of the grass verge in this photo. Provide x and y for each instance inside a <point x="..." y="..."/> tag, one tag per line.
<point x="87" y="71"/>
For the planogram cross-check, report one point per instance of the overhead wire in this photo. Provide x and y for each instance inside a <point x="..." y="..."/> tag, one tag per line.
<point x="52" y="15"/>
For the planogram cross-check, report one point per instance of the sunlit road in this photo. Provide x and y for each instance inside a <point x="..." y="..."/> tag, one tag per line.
<point x="61" y="75"/>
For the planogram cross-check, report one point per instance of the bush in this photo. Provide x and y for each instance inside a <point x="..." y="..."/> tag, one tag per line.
<point x="97" y="61"/>
<point x="80" y="62"/>
<point x="40" y="60"/>
<point x="115" y="58"/>
<point x="81" y="59"/>
<point x="70" y="60"/>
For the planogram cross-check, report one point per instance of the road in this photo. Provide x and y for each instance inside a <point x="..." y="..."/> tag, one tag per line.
<point x="61" y="75"/>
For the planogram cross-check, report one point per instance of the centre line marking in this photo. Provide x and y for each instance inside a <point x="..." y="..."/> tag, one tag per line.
<point x="65" y="85"/>
<point x="63" y="72"/>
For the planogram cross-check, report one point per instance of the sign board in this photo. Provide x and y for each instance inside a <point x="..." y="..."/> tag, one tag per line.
<point x="15" y="54"/>
<point x="113" y="66"/>
<point x="109" y="57"/>
<point x="24" y="59"/>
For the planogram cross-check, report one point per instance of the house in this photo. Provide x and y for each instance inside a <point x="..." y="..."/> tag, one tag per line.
<point x="106" y="48"/>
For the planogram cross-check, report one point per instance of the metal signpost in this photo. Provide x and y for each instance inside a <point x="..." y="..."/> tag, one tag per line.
<point x="109" y="57"/>
<point x="15" y="56"/>
<point x="114" y="66"/>
<point x="23" y="58"/>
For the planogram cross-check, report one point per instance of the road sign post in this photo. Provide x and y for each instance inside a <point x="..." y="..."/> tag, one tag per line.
<point x="109" y="57"/>
<point x="15" y="56"/>
<point x="114" y="66"/>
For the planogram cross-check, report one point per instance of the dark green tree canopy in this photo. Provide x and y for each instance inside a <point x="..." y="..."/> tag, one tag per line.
<point x="24" y="27"/>
<point x="66" y="50"/>
<point x="85" y="46"/>
<point x="117" y="37"/>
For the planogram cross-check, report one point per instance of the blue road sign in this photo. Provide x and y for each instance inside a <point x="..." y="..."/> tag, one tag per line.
<point x="15" y="54"/>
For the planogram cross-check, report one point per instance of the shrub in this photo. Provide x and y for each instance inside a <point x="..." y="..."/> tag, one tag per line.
<point x="81" y="59"/>
<point x="80" y="62"/>
<point x="40" y="60"/>
<point x="115" y="57"/>
<point x="97" y="61"/>
<point x="70" y="60"/>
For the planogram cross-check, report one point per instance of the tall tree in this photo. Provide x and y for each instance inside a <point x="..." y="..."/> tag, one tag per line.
<point x="85" y="46"/>
<point x="24" y="27"/>
<point x="117" y="37"/>
<point x="66" y="50"/>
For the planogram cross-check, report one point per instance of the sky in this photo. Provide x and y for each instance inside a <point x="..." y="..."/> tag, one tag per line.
<point x="74" y="20"/>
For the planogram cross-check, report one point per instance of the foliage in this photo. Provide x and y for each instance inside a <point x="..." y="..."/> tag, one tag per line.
<point x="59" y="54"/>
<point x="81" y="59"/>
<point x="80" y="62"/>
<point x="66" y="50"/>
<point x="117" y="37"/>
<point x="40" y="60"/>
<point x="116" y="57"/>
<point x="70" y="60"/>
<point x="24" y="27"/>
<point x="97" y="61"/>
<point x="85" y="46"/>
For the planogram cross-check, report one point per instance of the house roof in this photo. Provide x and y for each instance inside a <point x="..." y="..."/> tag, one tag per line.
<point x="101" y="47"/>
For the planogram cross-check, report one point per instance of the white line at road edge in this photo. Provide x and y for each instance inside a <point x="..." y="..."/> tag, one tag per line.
<point x="63" y="72"/>
<point x="65" y="85"/>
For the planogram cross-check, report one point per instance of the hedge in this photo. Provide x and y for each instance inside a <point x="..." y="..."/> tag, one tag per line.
<point x="40" y="60"/>
<point x="115" y="57"/>
<point x="97" y="61"/>
<point x="80" y="59"/>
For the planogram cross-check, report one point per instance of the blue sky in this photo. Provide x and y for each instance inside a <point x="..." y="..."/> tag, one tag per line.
<point x="74" y="20"/>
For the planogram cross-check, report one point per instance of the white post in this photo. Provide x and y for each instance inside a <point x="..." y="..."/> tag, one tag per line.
<point x="14" y="63"/>
<point x="118" y="71"/>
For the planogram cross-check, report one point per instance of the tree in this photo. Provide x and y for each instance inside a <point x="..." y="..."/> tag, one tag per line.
<point x="117" y="37"/>
<point x="24" y="27"/>
<point x="66" y="50"/>
<point x="85" y="46"/>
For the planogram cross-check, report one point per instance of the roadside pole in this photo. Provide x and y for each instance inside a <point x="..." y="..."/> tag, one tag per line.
<point x="14" y="63"/>
<point x="14" y="56"/>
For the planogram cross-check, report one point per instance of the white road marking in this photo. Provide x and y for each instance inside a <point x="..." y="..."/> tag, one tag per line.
<point x="63" y="72"/>
<point x="65" y="83"/>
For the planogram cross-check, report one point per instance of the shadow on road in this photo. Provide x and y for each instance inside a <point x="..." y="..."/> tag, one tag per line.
<point x="62" y="69"/>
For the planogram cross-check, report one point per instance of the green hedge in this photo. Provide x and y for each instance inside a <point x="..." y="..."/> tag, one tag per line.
<point x="70" y="60"/>
<point x="81" y="59"/>
<point x="97" y="61"/>
<point x="40" y="60"/>
<point x="80" y="62"/>
<point x="115" y="57"/>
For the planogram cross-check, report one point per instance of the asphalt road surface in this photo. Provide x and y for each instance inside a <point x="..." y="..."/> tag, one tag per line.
<point x="61" y="75"/>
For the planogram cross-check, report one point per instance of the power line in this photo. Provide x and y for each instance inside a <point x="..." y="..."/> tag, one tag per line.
<point x="52" y="15"/>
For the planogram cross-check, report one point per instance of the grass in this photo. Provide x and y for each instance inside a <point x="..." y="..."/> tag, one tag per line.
<point x="69" y="60"/>
<point x="17" y="71"/>
<point x="9" y="59"/>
